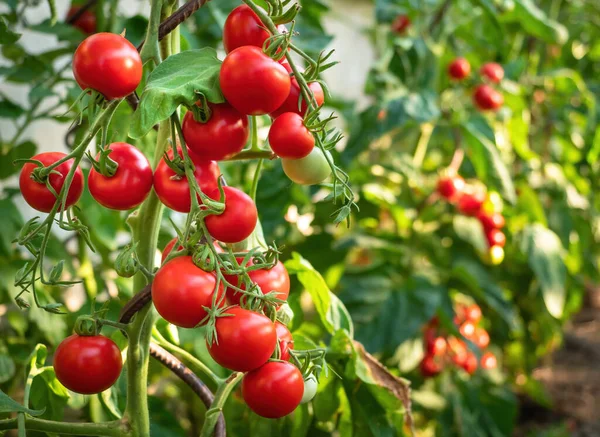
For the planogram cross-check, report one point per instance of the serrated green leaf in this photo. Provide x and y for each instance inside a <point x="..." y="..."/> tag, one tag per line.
<point x="9" y="405"/>
<point x="177" y="81"/>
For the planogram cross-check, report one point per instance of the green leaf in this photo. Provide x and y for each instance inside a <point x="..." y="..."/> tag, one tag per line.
<point x="9" y="405"/>
<point x="9" y="109"/>
<point x="331" y="310"/>
<point x="10" y="222"/>
<point x="7" y="36"/>
<point x="7" y="368"/>
<point x="470" y="230"/>
<point x="177" y="81"/>
<point x="9" y="154"/>
<point x="486" y="157"/>
<point x="48" y="392"/>
<point x="545" y="254"/>
<point x="536" y="22"/>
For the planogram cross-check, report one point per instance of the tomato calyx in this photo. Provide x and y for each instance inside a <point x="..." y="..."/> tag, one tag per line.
<point x="104" y="164"/>
<point x="201" y="110"/>
<point x="86" y="326"/>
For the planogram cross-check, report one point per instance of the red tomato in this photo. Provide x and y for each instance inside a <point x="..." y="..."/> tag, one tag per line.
<point x="245" y="340"/>
<point x="458" y="350"/>
<point x="291" y="103"/>
<point x="86" y="21"/>
<point x="471" y="203"/>
<point x="482" y="338"/>
<point x="181" y="290"/>
<point x="244" y="28"/>
<point x="473" y="313"/>
<point x="174" y="191"/>
<point x="286" y="341"/>
<point x="489" y="361"/>
<point x="37" y="195"/>
<point x="221" y="137"/>
<point x="400" y="24"/>
<point x="253" y="83"/>
<point x="491" y="221"/>
<point x="109" y="64"/>
<point x="437" y="346"/>
<point x="238" y="220"/>
<point x="470" y="363"/>
<point x="450" y="187"/>
<point x="87" y="364"/>
<point x="169" y="247"/>
<point x="429" y="367"/>
<point x="492" y="71"/>
<point x="467" y="329"/>
<point x="459" y="69"/>
<point x="289" y="138"/>
<point x="496" y="237"/>
<point x="131" y="183"/>
<point x="274" y="279"/>
<point x="487" y="98"/>
<point x="273" y="390"/>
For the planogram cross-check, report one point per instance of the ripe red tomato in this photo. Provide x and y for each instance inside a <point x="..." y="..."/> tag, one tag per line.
<point x="473" y="313"/>
<point x="496" y="237"/>
<point x="458" y="350"/>
<point x="174" y="190"/>
<point x="400" y="24"/>
<point x="450" y="187"/>
<point x="291" y="103"/>
<point x="467" y="329"/>
<point x="286" y="341"/>
<point x="491" y="221"/>
<point x="37" y="195"/>
<point x="109" y="64"/>
<point x="436" y="346"/>
<point x="169" y="247"/>
<point x="488" y="361"/>
<point x="245" y="340"/>
<point x="87" y="364"/>
<point x="238" y="220"/>
<point x="244" y="28"/>
<point x="273" y="390"/>
<point x="470" y="363"/>
<point x="289" y="138"/>
<point x="487" y="98"/>
<point x="221" y="137"/>
<point x="471" y="203"/>
<point x="459" y="69"/>
<point x="86" y="21"/>
<point x="429" y="367"/>
<point x="131" y="183"/>
<point x="253" y="83"/>
<point x="492" y="71"/>
<point x="481" y="338"/>
<point x="181" y="290"/>
<point x="274" y="279"/>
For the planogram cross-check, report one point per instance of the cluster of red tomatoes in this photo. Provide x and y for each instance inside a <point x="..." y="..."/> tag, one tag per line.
<point x="441" y="350"/>
<point x="474" y="201"/>
<point x="485" y="96"/>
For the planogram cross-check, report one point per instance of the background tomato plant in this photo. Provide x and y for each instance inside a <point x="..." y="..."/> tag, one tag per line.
<point x="406" y="255"/>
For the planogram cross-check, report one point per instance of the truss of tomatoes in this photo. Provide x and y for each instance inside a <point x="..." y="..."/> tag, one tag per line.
<point x="122" y="178"/>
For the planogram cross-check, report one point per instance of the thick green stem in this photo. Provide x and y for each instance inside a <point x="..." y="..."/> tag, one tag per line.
<point x="421" y="149"/>
<point x="212" y="415"/>
<point x="110" y="429"/>
<point x="151" y="48"/>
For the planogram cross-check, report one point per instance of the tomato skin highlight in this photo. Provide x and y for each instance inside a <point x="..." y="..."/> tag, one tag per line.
<point x="289" y="138"/>
<point x="109" y="64"/>
<point x="37" y="195"/>
<point x="86" y="21"/>
<point x="253" y="83"/>
<point x="482" y="338"/>
<point x="244" y="28"/>
<point x="487" y="98"/>
<point x="245" y="340"/>
<point x="238" y="220"/>
<point x="285" y="339"/>
<point x="291" y="102"/>
<point x="174" y="192"/>
<point x="274" y="279"/>
<point x="492" y="71"/>
<point x="221" y="137"/>
<point x="489" y="361"/>
<point x="471" y="203"/>
<point x="459" y="69"/>
<point x="273" y="390"/>
<point x="87" y="364"/>
<point x="496" y="237"/>
<point x="450" y="187"/>
<point x="180" y="290"/>
<point x="131" y="183"/>
<point x="491" y="221"/>
<point x="473" y="313"/>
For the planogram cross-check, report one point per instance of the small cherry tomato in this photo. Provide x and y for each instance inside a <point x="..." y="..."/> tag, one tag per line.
<point x="244" y="28"/>
<point x="289" y="138"/>
<point x="181" y="290"/>
<point x="87" y="364"/>
<point x="471" y="203"/>
<point x="310" y="389"/>
<point x="489" y="361"/>
<point x="253" y="83"/>
<point x="467" y="329"/>
<point x="458" y="350"/>
<point x="491" y="221"/>
<point x="310" y="170"/>
<point x="222" y="136"/>
<point x="473" y="313"/>
<point x="496" y="237"/>
<point x="292" y="102"/>
<point x="437" y="346"/>
<point x="86" y="22"/>
<point x="245" y="340"/>
<point x="273" y="279"/>
<point x="174" y="191"/>
<point x="487" y="98"/>
<point x="400" y="24"/>
<point x="492" y="71"/>
<point x="429" y="367"/>
<point x="459" y="69"/>
<point x="470" y="363"/>
<point x="131" y="183"/>
<point x="109" y="64"/>
<point x="37" y="194"/>
<point x="273" y="390"/>
<point x="238" y="220"/>
<point x="481" y="338"/>
<point x="286" y="341"/>
<point x="450" y="187"/>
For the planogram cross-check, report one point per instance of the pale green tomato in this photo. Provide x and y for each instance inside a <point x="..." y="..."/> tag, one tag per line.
<point x="310" y="389"/>
<point x="310" y="170"/>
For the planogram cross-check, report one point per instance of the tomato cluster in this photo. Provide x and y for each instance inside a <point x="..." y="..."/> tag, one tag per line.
<point x="476" y="202"/>
<point x="485" y="97"/>
<point x="442" y="349"/>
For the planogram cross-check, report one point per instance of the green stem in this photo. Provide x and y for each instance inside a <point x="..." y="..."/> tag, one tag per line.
<point x="216" y="408"/>
<point x="151" y="48"/>
<point x="255" y="180"/>
<point x="254" y="141"/>
<point x="249" y="154"/>
<point x="110" y="429"/>
<point x="422" y="144"/>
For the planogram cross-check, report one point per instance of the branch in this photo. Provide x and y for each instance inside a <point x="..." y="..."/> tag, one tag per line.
<point x="110" y="429"/>
<point x="439" y="15"/>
